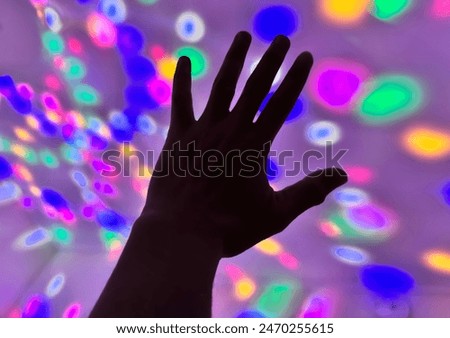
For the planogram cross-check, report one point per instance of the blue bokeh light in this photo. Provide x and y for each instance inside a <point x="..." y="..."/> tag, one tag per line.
<point x="139" y="68"/>
<point x="5" y="168"/>
<point x="386" y="281"/>
<point x="275" y="20"/>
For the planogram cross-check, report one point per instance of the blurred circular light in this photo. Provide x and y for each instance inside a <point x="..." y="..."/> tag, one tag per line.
<point x="446" y="192"/>
<point x="318" y="305"/>
<point x="269" y="246"/>
<point x="344" y="12"/>
<point x="336" y="84"/>
<point x="52" y="19"/>
<point x="5" y="168"/>
<point x="386" y="281"/>
<point x="427" y="143"/>
<point x="244" y="288"/>
<point x="350" y="197"/>
<point x="129" y="39"/>
<point x="72" y="311"/>
<point x="166" y="67"/>
<point x="110" y="220"/>
<point x="389" y="98"/>
<point x="55" y="285"/>
<point x="368" y="218"/>
<point x="33" y="239"/>
<point x="350" y="255"/>
<point x="275" y="20"/>
<point x="85" y="94"/>
<point x="359" y="174"/>
<point x="190" y="27"/>
<point x="440" y="9"/>
<point x="139" y="68"/>
<point x="74" y="68"/>
<point x="53" y="42"/>
<point x="37" y="306"/>
<point x="437" y="260"/>
<point x="159" y="90"/>
<point x="9" y="192"/>
<point x="146" y="124"/>
<point x="323" y="133"/>
<point x="101" y="31"/>
<point x="114" y="10"/>
<point x="388" y="10"/>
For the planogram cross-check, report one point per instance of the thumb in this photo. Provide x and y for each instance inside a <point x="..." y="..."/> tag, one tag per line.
<point x="310" y="191"/>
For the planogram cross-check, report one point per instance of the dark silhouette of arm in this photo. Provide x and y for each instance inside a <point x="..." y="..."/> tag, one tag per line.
<point x="195" y="214"/>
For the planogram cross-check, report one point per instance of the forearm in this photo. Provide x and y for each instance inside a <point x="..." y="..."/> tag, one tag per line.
<point x="162" y="272"/>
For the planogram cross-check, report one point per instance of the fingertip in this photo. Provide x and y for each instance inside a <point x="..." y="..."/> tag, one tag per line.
<point x="304" y="61"/>
<point x="184" y="61"/>
<point x="332" y="178"/>
<point x="244" y="36"/>
<point x="307" y="57"/>
<point x="282" y="41"/>
<point x="341" y="173"/>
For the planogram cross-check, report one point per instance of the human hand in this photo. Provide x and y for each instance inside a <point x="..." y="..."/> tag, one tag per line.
<point x="232" y="203"/>
<point x="196" y="213"/>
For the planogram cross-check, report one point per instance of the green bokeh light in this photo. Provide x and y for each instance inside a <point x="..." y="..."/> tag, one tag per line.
<point x="390" y="98"/>
<point x="85" y="94"/>
<point x="198" y="60"/>
<point x="53" y="42"/>
<point x="276" y="299"/>
<point x="388" y="10"/>
<point x="74" y="68"/>
<point x="30" y="156"/>
<point x="48" y="158"/>
<point x="5" y="144"/>
<point x="62" y="235"/>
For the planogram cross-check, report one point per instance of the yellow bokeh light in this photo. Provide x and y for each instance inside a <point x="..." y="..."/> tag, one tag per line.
<point x="32" y="122"/>
<point x="438" y="260"/>
<point x="244" y="288"/>
<point x="427" y="142"/>
<point x="269" y="246"/>
<point x="35" y="191"/>
<point x="127" y="149"/>
<point x="166" y="67"/>
<point x="344" y="11"/>
<point x="144" y="172"/>
<point x="115" y="244"/>
<point x="77" y="118"/>
<point x="18" y="150"/>
<point x="104" y="132"/>
<point x="23" y="134"/>
<point x="53" y="116"/>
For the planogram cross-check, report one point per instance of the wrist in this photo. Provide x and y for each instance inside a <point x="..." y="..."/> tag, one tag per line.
<point x="168" y="272"/>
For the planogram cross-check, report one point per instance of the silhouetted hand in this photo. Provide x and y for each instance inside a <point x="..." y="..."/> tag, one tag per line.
<point x="231" y="192"/>
<point x="209" y="195"/>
